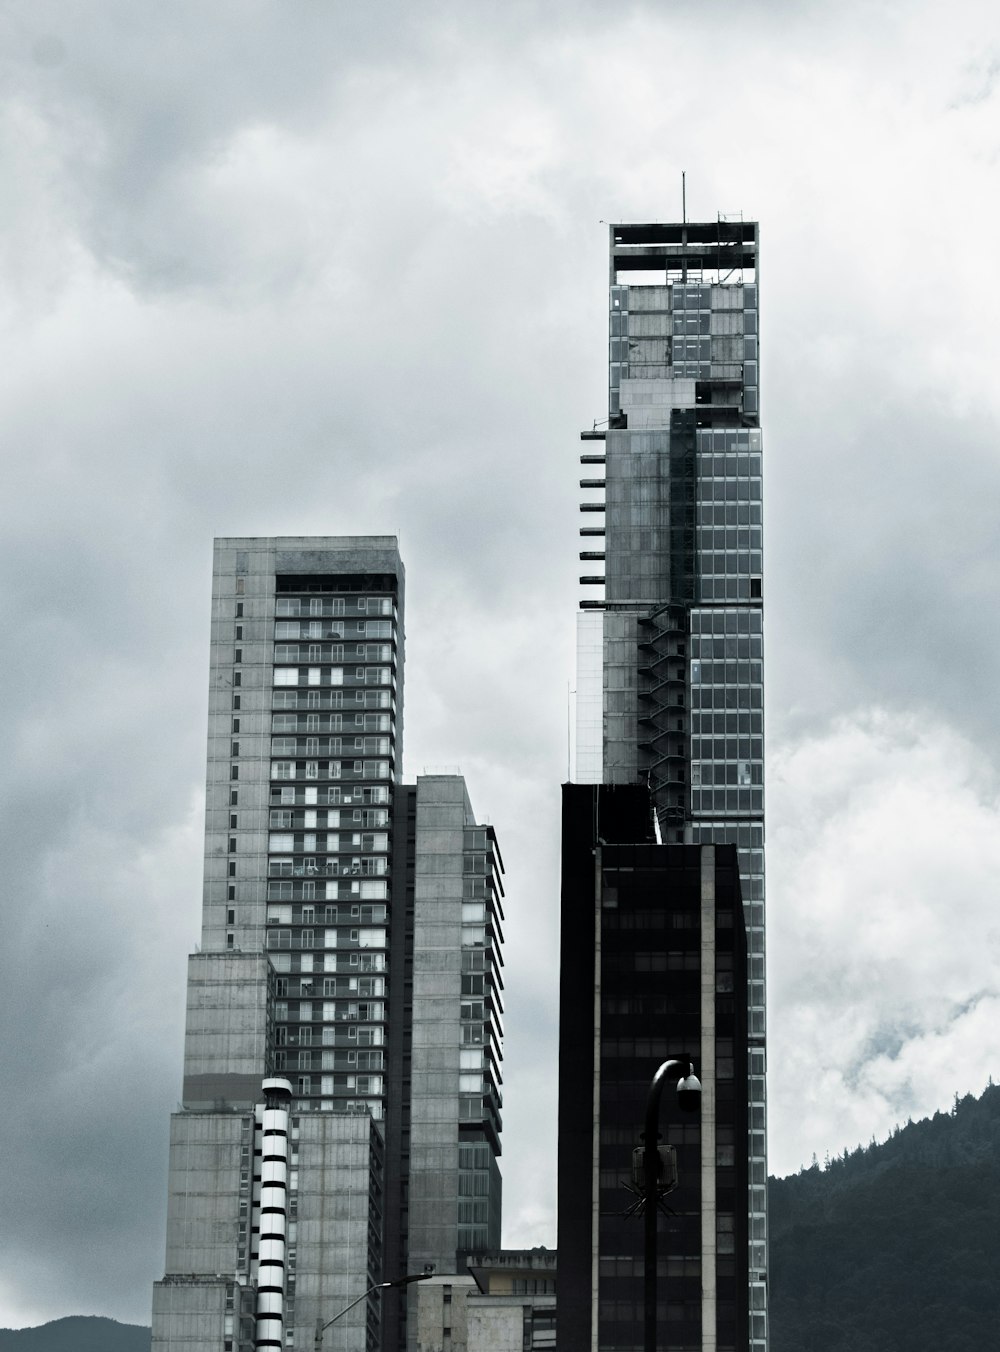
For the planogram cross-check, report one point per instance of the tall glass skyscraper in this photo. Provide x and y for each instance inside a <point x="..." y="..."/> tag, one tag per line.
<point x="670" y="657"/>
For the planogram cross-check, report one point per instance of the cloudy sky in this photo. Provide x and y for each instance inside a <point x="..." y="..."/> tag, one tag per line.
<point x="321" y="267"/>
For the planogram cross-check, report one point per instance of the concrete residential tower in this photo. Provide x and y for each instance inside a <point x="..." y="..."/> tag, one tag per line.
<point x="340" y="1112"/>
<point x="670" y="651"/>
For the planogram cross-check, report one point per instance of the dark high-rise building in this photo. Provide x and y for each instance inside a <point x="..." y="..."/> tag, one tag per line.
<point x="652" y="966"/>
<point x="340" y="1115"/>
<point x="670" y="649"/>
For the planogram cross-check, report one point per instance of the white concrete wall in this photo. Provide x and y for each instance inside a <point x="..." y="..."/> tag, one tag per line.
<point x="332" y="1160"/>
<point x="203" y="1193"/>
<point x="189" y="1315"/>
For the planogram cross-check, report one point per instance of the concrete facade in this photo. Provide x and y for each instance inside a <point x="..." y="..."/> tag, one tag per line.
<point x="443" y="811"/>
<point x="338" y="1228"/>
<point x="201" y="1314"/>
<point x="204" y="1180"/>
<point x="455" y="1054"/>
<point x="441" y="1313"/>
<point x="228" y="1029"/>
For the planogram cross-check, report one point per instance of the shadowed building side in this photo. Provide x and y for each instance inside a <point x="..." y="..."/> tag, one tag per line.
<point x="653" y="965"/>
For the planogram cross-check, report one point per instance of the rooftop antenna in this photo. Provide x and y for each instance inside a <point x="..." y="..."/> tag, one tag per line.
<point x="684" y="218"/>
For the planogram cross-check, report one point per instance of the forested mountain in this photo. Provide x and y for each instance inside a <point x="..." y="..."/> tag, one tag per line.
<point x="893" y="1247"/>
<point x="78" y="1333"/>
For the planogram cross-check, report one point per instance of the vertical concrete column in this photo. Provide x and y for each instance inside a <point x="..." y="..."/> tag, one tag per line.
<point x="709" y="1239"/>
<point x="595" y="1143"/>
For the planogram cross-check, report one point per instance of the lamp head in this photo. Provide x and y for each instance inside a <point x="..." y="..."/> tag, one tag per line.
<point x="689" y="1092"/>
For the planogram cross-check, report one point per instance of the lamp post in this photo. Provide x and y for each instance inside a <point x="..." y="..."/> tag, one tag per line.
<point x="689" y="1099"/>
<point x="379" y="1286"/>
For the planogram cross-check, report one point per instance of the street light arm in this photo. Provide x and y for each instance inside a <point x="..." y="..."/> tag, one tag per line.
<point x="672" y="1069"/>
<point x="321" y="1328"/>
<point x="379" y="1286"/>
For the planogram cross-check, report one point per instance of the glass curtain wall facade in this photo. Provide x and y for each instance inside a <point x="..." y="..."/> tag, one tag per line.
<point x="652" y="965"/>
<point x="674" y="513"/>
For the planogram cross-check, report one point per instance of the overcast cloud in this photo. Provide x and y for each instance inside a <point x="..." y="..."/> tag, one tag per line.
<point x="317" y="267"/>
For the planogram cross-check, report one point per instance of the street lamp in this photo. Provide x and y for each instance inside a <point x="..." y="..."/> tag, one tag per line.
<point x="379" y="1286"/>
<point x="689" y="1100"/>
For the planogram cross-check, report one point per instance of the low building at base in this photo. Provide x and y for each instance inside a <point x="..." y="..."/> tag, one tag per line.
<point x="506" y="1302"/>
